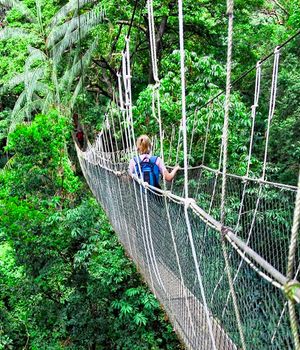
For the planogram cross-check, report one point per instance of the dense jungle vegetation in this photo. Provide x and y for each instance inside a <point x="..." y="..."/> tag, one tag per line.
<point x="65" y="281"/>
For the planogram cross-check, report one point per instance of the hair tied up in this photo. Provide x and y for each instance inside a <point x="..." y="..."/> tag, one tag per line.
<point x="143" y="144"/>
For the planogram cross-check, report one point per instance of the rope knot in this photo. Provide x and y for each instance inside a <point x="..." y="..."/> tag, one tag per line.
<point x="277" y="50"/>
<point x="145" y="184"/>
<point x="189" y="201"/>
<point x="292" y="290"/>
<point x="156" y="85"/>
<point x="244" y="179"/>
<point x="167" y="193"/>
<point x="224" y="231"/>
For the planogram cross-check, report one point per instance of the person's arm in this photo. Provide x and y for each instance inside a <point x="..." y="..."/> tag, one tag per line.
<point x="131" y="167"/>
<point x="169" y="176"/>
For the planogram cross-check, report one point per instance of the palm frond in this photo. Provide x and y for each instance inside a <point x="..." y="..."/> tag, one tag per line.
<point x="10" y="33"/>
<point x="59" y="49"/>
<point x="17" y="107"/>
<point x="21" y="78"/>
<point x="47" y="102"/>
<point x="69" y="75"/>
<point x="21" y="7"/>
<point x="20" y="113"/>
<point x="92" y="17"/>
<point x="34" y="55"/>
<point x="71" y="6"/>
<point x="39" y="16"/>
<point x="32" y="83"/>
<point x="76" y="93"/>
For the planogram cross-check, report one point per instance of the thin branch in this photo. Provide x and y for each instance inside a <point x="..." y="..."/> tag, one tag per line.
<point x="134" y="24"/>
<point x="103" y="63"/>
<point x="114" y="44"/>
<point x="281" y="7"/>
<point x="99" y="89"/>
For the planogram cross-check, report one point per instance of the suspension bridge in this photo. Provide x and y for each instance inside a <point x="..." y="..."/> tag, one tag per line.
<point x="224" y="266"/>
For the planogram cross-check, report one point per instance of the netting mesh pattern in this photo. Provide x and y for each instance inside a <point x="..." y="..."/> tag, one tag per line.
<point x="153" y="230"/>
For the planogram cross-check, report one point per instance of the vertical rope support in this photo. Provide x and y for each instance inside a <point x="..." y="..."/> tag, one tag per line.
<point x="227" y="106"/>
<point x="155" y="88"/>
<point x="225" y="153"/>
<point x="290" y="267"/>
<point x="253" y="118"/>
<point x="183" y="101"/>
<point x="271" y="106"/>
<point x="184" y="132"/>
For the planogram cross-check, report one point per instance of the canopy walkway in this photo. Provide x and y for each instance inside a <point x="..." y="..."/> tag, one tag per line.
<point x="212" y="246"/>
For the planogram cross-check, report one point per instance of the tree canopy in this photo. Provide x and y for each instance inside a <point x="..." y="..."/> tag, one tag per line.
<point x="65" y="281"/>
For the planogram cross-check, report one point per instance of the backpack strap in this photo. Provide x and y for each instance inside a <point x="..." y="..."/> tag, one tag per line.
<point x="153" y="159"/>
<point x="137" y="160"/>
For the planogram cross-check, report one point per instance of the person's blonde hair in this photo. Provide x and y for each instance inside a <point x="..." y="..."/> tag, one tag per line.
<point x="143" y="144"/>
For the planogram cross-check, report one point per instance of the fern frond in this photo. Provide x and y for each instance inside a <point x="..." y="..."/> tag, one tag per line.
<point x="21" y="7"/>
<point x="11" y="33"/>
<point x="71" y="6"/>
<point x="41" y="88"/>
<point x="9" y="164"/>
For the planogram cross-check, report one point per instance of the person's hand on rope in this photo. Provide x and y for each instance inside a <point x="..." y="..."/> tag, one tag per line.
<point x="169" y="176"/>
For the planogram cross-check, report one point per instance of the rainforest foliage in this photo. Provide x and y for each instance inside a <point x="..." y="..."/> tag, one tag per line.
<point x="65" y="282"/>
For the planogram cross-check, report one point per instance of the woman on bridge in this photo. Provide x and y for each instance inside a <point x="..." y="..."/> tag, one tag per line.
<point x="151" y="167"/>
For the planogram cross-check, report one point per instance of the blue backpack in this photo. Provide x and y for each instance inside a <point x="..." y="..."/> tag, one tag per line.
<point x="149" y="169"/>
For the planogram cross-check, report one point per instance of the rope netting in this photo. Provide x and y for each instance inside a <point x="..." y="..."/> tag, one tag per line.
<point x="215" y="247"/>
<point x="157" y="240"/>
